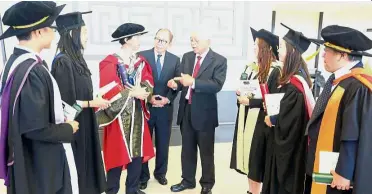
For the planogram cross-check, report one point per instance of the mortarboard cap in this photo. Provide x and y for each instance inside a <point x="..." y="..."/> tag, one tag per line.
<point x="27" y="16"/>
<point x="127" y="30"/>
<point x="297" y="39"/>
<point x="347" y="40"/>
<point x="270" y="38"/>
<point x="70" y="21"/>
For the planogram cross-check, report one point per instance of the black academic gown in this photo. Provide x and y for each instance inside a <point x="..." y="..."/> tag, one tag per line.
<point x="74" y="84"/>
<point x="258" y="150"/>
<point x="40" y="163"/>
<point x="353" y="124"/>
<point x="285" y="169"/>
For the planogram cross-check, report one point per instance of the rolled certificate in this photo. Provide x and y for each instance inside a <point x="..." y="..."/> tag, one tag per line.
<point x="324" y="178"/>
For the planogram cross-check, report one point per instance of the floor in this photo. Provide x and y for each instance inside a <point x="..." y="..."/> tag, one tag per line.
<point x="227" y="180"/>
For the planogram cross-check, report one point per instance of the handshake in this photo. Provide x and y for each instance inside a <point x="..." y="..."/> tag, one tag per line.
<point x="186" y="80"/>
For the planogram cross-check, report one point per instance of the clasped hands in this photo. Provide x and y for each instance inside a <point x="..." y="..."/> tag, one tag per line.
<point x="185" y="79"/>
<point x="159" y="103"/>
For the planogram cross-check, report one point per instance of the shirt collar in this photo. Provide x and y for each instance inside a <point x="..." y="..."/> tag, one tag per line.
<point x="345" y="70"/>
<point x="204" y="54"/>
<point x="156" y="54"/>
<point x="27" y="49"/>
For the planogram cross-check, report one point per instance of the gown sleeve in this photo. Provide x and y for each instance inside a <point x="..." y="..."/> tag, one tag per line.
<point x="34" y="100"/>
<point x="352" y="125"/>
<point x="288" y="131"/>
<point x="63" y="74"/>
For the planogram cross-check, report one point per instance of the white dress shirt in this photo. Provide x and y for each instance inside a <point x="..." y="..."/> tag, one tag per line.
<point x="343" y="71"/>
<point x="201" y="62"/>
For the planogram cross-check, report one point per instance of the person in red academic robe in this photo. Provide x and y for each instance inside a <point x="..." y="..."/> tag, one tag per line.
<point x="341" y="121"/>
<point x="126" y="80"/>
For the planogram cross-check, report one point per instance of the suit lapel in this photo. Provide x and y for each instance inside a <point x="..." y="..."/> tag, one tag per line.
<point x="166" y="65"/>
<point x="192" y="64"/>
<point x="152" y="63"/>
<point x="206" y="62"/>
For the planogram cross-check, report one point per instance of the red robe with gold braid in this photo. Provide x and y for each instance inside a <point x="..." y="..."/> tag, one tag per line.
<point x="118" y="148"/>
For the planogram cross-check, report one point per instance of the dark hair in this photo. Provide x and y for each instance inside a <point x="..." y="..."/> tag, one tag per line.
<point x="24" y="36"/>
<point x="122" y="41"/>
<point x="169" y="33"/>
<point x="71" y="46"/>
<point x="264" y="59"/>
<point x="354" y="57"/>
<point x="350" y="57"/>
<point x="293" y="64"/>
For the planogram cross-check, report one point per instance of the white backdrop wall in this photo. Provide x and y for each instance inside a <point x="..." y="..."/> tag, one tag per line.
<point x="229" y="23"/>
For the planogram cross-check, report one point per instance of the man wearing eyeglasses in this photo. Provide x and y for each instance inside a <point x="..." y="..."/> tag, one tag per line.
<point x="165" y="66"/>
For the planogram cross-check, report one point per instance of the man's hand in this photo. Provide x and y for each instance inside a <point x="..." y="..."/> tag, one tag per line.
<point x="268" y="121"/>
<point x="339" y="182"/>
<point x="164" y="100"/>
<point x="185" y="79"/>
<point x="74" y="125"/>
<point x="172" y="84"/>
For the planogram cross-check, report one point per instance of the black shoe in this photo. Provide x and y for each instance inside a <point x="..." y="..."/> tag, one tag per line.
<point x="162" y="180"/>
<point x="136" y="192"/>
<point x="181" y="187"/>
<point x="143" y="185"/>
<point x="206" y="190"/>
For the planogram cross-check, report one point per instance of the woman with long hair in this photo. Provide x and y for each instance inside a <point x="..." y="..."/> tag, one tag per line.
<point x="251" y="133"/>
<point x="285" y="169"/>
<point x="74" y="80"/>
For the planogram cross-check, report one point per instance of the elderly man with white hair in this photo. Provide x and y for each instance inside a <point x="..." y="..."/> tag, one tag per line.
<point x="202" y="75"/>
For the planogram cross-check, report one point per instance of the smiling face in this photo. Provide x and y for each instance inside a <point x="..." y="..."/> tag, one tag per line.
<point x="162" y="41"/>
<point x="199" y="42"/>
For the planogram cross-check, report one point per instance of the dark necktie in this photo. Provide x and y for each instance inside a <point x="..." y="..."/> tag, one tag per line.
<point x="322" y="101"/>
<point x="158" y="66"/>
<point x="196" y="70"/>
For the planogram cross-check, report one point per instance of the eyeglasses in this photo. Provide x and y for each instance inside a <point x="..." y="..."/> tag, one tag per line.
<point x="161" y="41"/>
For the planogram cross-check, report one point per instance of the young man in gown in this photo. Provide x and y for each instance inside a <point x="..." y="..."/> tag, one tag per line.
<point x="36" y="155"/>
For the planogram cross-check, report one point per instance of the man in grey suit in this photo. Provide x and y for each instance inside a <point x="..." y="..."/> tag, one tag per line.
<point x="165" y="66"/>
<point x="203" y="73"/>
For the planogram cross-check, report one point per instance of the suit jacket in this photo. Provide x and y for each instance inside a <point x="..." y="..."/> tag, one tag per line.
<point x="169" y="70"/>
<point x="208" y="82"/>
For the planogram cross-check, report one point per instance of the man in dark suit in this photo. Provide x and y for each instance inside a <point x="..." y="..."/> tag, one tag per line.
<point x="203" y="73"/>
<point x="165" y="66"/>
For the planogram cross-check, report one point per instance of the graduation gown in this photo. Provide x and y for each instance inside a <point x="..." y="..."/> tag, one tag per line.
<point x="250" y="135"/>
<point x="40" y="159"/>
<point x="126" y="132"/>
<point x="75" y="83"/>
<point x="346" y="119"/>
<point x="285" y="168"/>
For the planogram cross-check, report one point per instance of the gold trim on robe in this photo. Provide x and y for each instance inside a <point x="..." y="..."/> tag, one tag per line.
<point x="326" y="134"/>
